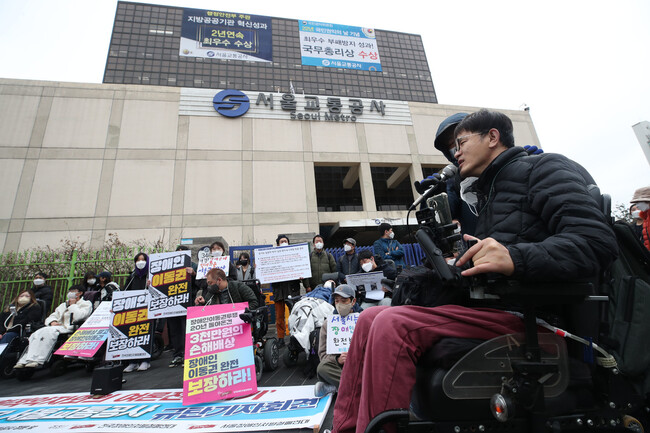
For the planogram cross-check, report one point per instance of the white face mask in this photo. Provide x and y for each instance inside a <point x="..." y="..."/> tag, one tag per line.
<point x="318" y="245"/>
<point x="72" y="295"/>
<point x="643" y="206"/>
<point x="636" y="214"/>
<point x="367" y="267"/>
<point x="347" y="248"/>
<point x="217" y="253"/>
<point x="344" y="309"/>
<point x="468" y="195"/>
<point x="391" y="235"/>
<point x="39" y="281"/>
<point x="91" y="281"/>
<point x="141" y="264"/>
<point x="284" y="244"/>
<point x="23" y="300"/>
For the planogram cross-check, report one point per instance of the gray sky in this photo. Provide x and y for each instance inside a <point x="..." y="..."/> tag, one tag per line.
<point x="581" y="66"/>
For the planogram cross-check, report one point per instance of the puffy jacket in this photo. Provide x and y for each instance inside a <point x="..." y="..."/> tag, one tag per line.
<point x="80" y="311"/>
<point x="348" y="264"/>
<point x="539" y="207"/>
<point x="322" y="262"/>
<point x="44" y="293"/>
<point x="389" y="249"/>
<point x="239" y="292"/>
<point x="31" y="314"/>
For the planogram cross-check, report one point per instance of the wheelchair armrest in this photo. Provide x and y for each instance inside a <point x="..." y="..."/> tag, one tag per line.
<point x="248" y="315"/>
<point x="541" y="293"/>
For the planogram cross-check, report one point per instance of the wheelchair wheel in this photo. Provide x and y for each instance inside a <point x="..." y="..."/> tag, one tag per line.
<point x="25" y="373"/>
<point x="89" y="367"/>
<point x="7" y="370"/>
<point x="58" y="367"/>
<point x="632" y="424"/>
<point x="271" y="354"/>
<point x="158" y="345"/>
<point x="259" y="367"/>
<point x="290" y="357"/>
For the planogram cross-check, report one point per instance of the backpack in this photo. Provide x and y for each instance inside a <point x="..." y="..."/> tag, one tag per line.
<point x="421" y="286"/>
<point x="628" y="287"/>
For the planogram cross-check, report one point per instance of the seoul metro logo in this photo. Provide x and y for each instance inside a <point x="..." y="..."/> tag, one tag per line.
<point x="231" y="103"/>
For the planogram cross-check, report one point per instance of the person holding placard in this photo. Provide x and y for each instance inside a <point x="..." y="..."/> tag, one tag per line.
<point x="218" y="249"/>
<point x="281" y="291"/>
<point x="331" y="365"/>
<point x="321" y="262"/>
<point x="372" y="263"/>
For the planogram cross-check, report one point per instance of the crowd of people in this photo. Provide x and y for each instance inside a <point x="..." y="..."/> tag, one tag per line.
<point x="529" y="215"/>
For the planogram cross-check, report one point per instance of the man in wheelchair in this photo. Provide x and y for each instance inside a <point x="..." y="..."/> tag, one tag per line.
<point x="42" y="342"/>
<point x="537" y="222"/>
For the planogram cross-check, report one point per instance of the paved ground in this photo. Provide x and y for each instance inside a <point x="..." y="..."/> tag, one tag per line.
<point x="160" y="376"/>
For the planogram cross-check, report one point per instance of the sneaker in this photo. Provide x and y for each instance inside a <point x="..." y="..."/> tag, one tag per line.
<point x="129" y="368"/>
<point x="144" y="366"/>
<point x="178" y="360"/>
<point x="32" y="364"/>
<point x="19" y="365"/>
<point x="321" y="389"/>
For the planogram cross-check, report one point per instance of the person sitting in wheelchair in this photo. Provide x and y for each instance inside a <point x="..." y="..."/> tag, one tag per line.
<point x="26" y="311"/>
<point x="537" y="221"/>
<point x="42" y="342"/>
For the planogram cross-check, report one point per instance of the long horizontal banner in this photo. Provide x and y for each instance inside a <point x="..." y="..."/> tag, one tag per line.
<point x="148" y="411"/>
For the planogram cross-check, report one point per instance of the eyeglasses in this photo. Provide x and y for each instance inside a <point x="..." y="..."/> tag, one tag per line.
<point x="463" y="138"/>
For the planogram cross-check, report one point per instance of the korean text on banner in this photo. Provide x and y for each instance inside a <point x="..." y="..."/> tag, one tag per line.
<point x="170" y="288"/>
<point x="277" y="264"/>
<point x="208" y="262"/>
<point x="130" y="335"/>
<point x="87" y="340"/>
<point x="338" y="46"/>
<point x="339" y="332"/>
<point x="219" y="359"/>
<point x="226" y="35"/>
<point x="370" y="281"/>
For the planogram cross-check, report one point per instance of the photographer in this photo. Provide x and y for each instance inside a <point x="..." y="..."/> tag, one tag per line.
<point x="537" y="222"/>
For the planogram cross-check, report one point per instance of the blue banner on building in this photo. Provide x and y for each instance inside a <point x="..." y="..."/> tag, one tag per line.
<point x="338" y="46"/>
<point x="226" y="35"/>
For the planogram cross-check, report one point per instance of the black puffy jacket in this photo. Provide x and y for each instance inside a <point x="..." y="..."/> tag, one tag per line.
<point x="539" y="207"/>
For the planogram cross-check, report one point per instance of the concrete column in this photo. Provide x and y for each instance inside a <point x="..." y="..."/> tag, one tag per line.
<point x="367" y="189"/>
<point x="178" y="190"/>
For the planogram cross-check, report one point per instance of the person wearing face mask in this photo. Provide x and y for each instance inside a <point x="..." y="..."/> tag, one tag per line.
<point x="27" y="311"/>
<point x="387" y="247"/>
<point x="641" y="200"/>
<point x="218" y="249"/>
<point x="222" y="291"/>
<point x="42" y="341"/>
<point x="281" y="291"/>
<point x="348" y="263"/>
<point x="90" y="282"/>
<point x="330" y="366"/>
<point x="106" y="286"/>
<point x="138" y="278"/>
<point x="373" y="263"/>
<point x="321" y="261"/>
<point x="42" y="290"/>
<point x="245" y="270"/>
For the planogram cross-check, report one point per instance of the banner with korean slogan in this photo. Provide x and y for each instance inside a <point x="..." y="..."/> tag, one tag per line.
<point x="170" y="287"/>
<point x="219" y="361"/>
<point x="208" y="262"/>
<point x="338" y="46"/>
<point x="130" y="335"/>
<point x="339" y="332"/>
<point x="277" y="264"/>
<point x="155" y="410"/>
<point x="368" y="281"/>
<point x="87" y="340"/>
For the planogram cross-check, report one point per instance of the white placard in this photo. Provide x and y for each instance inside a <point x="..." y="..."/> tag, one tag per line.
<point x="339" y="332"/>
<point x="371" y="281"/>
<point x="277" y="264"/>
<point x="207" y="263"/>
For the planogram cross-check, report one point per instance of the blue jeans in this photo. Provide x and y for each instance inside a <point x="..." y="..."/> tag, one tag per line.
<point x="8" y="337"/>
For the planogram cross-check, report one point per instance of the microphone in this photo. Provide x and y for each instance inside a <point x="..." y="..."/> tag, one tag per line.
<point x="445" y="173"/>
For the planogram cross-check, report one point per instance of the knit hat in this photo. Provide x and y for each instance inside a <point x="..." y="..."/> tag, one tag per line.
<point x="641" y="194"/>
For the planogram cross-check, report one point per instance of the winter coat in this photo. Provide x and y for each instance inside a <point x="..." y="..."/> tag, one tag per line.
<point x="283" y="289"/>
<point x="79" y="311"/>
<point x="645" y="230"/>
<point x="389" y="249"/>
<point x="348" y="264"/>
<point x="539" y="207"/>
<point x="44" y="293"/>
<point x="136" y="282"/>
<point x="307" y="315"/>
<point x="239" y="292"/>
<point x="242" y="275"/>
<point x="321" y="262"/>
<point x="31" y="314"/>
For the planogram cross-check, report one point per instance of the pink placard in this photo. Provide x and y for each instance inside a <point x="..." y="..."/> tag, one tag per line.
<point x="219" y="360"/>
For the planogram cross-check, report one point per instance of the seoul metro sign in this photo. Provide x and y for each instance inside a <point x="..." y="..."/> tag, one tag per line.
<point x="231" y="103"/>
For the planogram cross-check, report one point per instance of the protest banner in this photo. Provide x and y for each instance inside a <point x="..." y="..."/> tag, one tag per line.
<point x="149" y="411"/>
<point x="370" y="281"/>
<point x="219" y="359"/>
<point x="170" y="284"/>
<point x="208" y="262"/>
<point x="130" y="334"/>
<point x="277" y="264"/>
<point x="87" y="340"/>
<point x="339" y="332"/>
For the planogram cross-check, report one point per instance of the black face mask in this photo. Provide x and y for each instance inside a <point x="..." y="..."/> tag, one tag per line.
<point x="243" y="262"/>
<point x="213" y="288"/>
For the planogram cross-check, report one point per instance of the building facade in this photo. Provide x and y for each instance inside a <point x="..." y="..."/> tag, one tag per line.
<point x="82" y="161"/>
